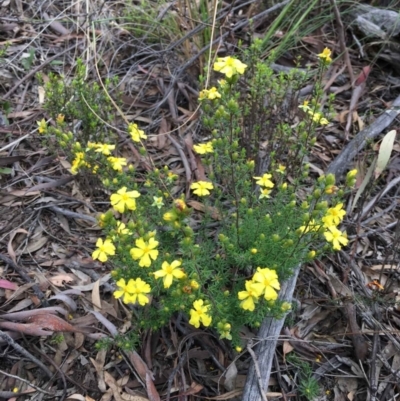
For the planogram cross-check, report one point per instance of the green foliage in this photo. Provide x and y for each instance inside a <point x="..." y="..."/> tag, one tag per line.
<point x="57" y="339"/>
<point x="308" y="384"/>
<point x="126" y="342"/>
<point x="86" y="106"/>
<point x="258" y="216"/>
<point x="104" y="343"/>
<point x="149" y="21"/>
<point x="27" y="60"/>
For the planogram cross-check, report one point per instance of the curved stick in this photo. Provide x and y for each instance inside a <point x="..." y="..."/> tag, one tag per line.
<point x="268" y="336"/>
<point x="341" y="163"/>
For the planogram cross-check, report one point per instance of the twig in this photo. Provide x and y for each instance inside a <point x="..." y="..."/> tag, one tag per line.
<point x="238" y="26"/>
<point x="372" y="377"/>
<point x="35" y="70"/>
<point x="183" y="158"/>
<point x="25" y="276"/>
<point x="27" y="382"/>
<point x="257" y="368"/>
<point x="62" y="374"/>
<point x="341" y="163"/>
<point x="72" y="214"/>
<point x="269" y="332"/>
<point x="342" y="41"/>
<point x="24" y="352"/>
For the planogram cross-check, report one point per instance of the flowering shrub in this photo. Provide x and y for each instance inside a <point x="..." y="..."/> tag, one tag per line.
<point x="258" y="214"/>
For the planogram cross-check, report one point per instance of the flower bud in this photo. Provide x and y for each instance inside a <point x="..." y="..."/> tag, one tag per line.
<point x="305" y="205"/>
<point x="311" y="255"/>
<point x="321" y="205"/>
<point x="330" y="179"/>
<point x="317" y="193"/>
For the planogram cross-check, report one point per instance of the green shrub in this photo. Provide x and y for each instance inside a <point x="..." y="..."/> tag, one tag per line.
<point x="218" y="251"/>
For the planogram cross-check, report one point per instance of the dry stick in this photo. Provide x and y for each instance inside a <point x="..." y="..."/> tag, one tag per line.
<point x="257" y="370"/>
<point x="62" y="374"/>
<point x="342" y="41"/>
<point x="25" y="276"/>
<point x="35" y="70"/>
<point x="268" y="335"/>
<point x="74" y="215"/>
<point x="24" y="352"/>
<point x="239" y="25"/>
<point x="372" y="377"/>
<point x="178" y="147"/>
<point x="341" y="163"/>
<point x="27" y="382"/>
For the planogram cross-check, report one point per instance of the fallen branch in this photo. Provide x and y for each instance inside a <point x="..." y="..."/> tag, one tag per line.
<point x="268" y="336"/>
<point x="342" y="162"/>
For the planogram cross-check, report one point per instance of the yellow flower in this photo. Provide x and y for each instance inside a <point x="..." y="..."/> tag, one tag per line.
<point x="286" y="306"/>
<point x="201" y="188"/>
<point x="124" y="290"/>
<point x="316" y="117"/>
<point x="326" y="55"/>
<point x="60" y="118"/>
<point x="250" y="296"/>
<point x="78" y="162"/>
<point x="194" y="284"/>
<point x="158" y="202"/>
<point x="225" y="333"/>
<point x="311" y="254"/>
<point x="145" y="251"/>
<point x="42" y="126"/>
<point x="171" y="177"/>
<point x="310" y="226"/>
<point x="137" y="292"/>
<point x="180" y="204"/>
<point x="104" y="148"/>
<point x="117" y="162"/>
<point x="334" y="215"/>
<point x="331" y="189"/>
<point x="281" y="169"/>
<point x="170" y="216"/>
<point x="124" y="200"/>
<point x="336" y="237"/>
<point x="199" y="314"/>
<point x="264" y="181"/>
<point x="229" y="66"/>
<point x="222" y="83"/>
<point x="210" y="94"/>
<point x="203" y="94"/>
<point x="305" y="107"/>
<point x="351" y="173"/>
<point x="323" y="121"/>
<point x="213" y="93"/>
<point x="103" y="250"/>
<point x="136" y="133"/>
<point x="265" y="192"/>
<point x="204" y="148"/>
<point x="169" y="271"/>
<point x="121" y="229"/>
<point x="266" y="280"/>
